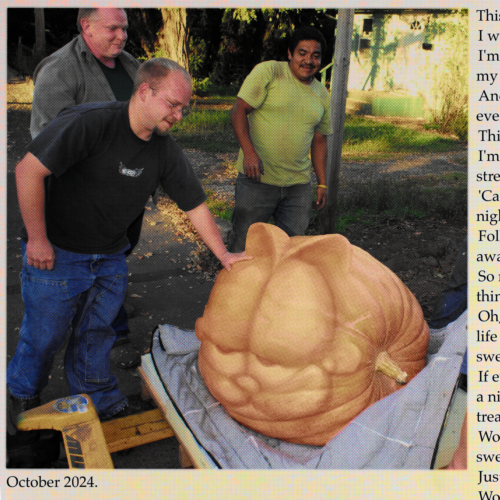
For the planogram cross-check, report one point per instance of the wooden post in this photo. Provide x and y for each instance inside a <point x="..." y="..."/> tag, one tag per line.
<point x="39" y="34"/>
<point x="340" y="75"/>
<point x="19" y="53"/>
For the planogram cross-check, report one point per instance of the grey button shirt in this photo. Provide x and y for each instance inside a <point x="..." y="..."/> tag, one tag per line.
<point x="71" y="75"/>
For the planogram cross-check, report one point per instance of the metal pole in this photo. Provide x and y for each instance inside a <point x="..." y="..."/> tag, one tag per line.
<point x="340" y="75"/>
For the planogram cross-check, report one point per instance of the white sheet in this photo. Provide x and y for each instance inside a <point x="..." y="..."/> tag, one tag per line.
<point x="398" y="432"/>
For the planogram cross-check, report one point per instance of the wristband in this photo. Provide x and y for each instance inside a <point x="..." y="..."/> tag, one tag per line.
<point x="322" y="186"/>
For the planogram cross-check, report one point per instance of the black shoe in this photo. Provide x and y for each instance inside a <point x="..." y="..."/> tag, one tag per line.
<point x="42" y="452"/>
<point x="121" y="340"/>
<point x="135" y="404"/>
<point x="18" y="406"/>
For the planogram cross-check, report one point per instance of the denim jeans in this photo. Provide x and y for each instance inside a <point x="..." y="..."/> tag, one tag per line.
<point x="79" y="297"/>
<point x="120" y="324"/>
<point x="258" y="202"/>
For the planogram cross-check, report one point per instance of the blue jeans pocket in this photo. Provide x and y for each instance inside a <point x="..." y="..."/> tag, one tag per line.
<point x="47" y="301"/>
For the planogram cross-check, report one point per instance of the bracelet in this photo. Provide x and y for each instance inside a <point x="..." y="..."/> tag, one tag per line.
<point x="322" y="186"/>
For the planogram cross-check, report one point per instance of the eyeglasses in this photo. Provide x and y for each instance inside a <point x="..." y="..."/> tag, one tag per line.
<point x="173" y="107"/>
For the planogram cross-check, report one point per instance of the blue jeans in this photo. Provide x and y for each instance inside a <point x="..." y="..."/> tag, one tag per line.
<point x="120" y="324"/>
<point x="80" y="297"/>
<point x="258" y="202"/>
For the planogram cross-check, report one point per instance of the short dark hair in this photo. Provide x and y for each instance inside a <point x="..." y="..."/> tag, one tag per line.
<point x="307" y="33"/>
<point x="84" y="14"/>
<point x="154" y="70"/>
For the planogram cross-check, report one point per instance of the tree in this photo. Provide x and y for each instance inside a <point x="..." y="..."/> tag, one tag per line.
<point x="159" y="33"/>
<point x="172" y="37"/>
<point x="235" y="40"/>
<point x="204" y="35"/>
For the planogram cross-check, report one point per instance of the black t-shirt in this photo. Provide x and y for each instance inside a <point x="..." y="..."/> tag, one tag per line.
<point x="103" y="174"/>
<point x="119" y="80"/>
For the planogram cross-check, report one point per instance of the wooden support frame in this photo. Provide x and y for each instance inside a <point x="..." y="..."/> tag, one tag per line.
<point x="135" y="430"/>
<point x="190" y="452"/>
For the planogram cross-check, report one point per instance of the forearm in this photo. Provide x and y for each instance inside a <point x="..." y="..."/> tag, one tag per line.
<point x="30" y="174"/>
<point x="252" y="164"/>
<point x="31" y="196"/>
<point x="205" y="225"/>
<point x="319" y="156"/>
<point x="241" y="127"/>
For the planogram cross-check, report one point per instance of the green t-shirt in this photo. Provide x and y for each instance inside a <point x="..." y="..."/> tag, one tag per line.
<point x="282" y="125"/>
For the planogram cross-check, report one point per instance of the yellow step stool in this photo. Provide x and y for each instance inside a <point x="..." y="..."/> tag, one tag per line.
<point x="88" y="442"/>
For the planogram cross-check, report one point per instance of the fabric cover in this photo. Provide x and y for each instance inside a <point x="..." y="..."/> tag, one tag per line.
<point x="398" y="432"/>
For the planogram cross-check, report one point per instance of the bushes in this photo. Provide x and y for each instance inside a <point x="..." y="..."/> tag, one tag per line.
<point x="450" y="113"/>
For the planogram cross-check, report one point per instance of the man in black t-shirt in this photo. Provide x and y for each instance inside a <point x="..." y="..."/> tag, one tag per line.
<point x="93" y="67"/>
<point x="82" y="182"/>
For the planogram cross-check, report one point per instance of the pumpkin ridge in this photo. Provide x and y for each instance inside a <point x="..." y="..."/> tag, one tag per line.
<point x="387" y="290"/>
<point x="324" y="247"/>
<point x="296" y="333"/>
<point x="337" y="414"/>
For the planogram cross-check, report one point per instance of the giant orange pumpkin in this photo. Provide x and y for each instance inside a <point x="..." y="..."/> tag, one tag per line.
<point x="298" y="341"/>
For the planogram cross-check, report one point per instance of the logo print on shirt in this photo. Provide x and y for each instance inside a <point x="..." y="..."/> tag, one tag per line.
<point x="128" y="171"/>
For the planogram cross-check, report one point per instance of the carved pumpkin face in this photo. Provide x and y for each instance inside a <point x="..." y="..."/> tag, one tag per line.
<point x="298" y="341"/>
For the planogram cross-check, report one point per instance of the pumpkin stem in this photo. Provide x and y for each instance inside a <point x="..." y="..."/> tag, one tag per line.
<point x="384" y="364"/>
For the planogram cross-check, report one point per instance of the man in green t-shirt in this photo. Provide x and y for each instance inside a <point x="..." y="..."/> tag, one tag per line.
<point x="281" y="119"/>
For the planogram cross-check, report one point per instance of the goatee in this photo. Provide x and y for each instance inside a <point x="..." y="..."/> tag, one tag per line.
<point x="161" y="133"/>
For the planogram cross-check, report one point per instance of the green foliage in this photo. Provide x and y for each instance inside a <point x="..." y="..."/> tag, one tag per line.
<point x="359" y="216"/>
<point x="205" y="120"/>
<point x="206" y="129"/>
<point x="443" y="197"/>
<point x="225" y="44"/>
<point x="203" y="27"/>
<point x="219" y="207"/>
<point x="158" y="52"/>
<point x="364" y="139"/>
<point x="206" y="87"/>
<point x="451" y="90"/>
<point x="244" y="15"/>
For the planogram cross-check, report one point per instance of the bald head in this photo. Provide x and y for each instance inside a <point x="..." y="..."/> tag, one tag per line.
<point x="155" y="70"/>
